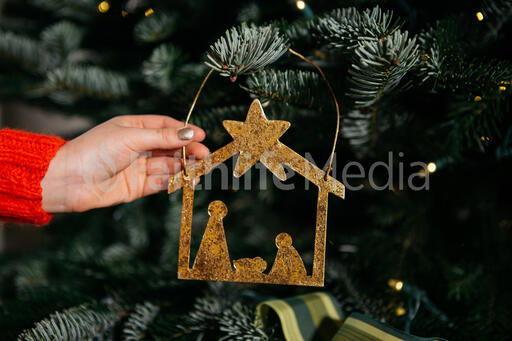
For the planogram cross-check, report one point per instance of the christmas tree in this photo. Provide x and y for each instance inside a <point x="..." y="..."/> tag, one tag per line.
<point x="422" y="241"/>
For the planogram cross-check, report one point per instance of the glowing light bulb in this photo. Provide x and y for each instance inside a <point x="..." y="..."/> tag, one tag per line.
<point x="149" y="12"/>
<point x="396" y="284"/>
<point x="479" y="16"/>
<point x="103" y="7"/>
<point x="399" y="285"/>
<point x="431" y="167"/>
<point x="301" y="4"/>
<point x="400" y="311"/>
<point x="503" y="88"/>
<point x="477" y="99"/>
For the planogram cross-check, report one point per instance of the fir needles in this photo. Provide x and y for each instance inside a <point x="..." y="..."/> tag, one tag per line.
<point x="245" y="50"/>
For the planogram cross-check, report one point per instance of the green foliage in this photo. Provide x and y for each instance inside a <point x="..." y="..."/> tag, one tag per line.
<point x="475" y="124"/>
<point x="346" y="28"/>
<point x="74" y="324"/>
<point x="138" y="321"/>
<point x="88" y="81"/>
<point x="160" y="69"/>
<point x="356" y="128"/>
<point x="155" y="28"/>
<point x="238" y="324"/>
<point x="290" y="86"/>
<point x="380" y="65"/>
<point x="222" y="316"/>
<point x="76" y="9"/>
<point x="205" y="316"/>
<point x="246" y="49"/>
<point x="26" y="52"/>
<point x="63" y="38"/>
<point x="430" y="65"/>
<point x="210" y="118"/>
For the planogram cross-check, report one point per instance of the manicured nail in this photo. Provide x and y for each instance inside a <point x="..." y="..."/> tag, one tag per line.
<point x="185" y="133"/>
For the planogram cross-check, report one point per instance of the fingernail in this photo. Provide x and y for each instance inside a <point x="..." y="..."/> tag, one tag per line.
<point x="185" y="133"/>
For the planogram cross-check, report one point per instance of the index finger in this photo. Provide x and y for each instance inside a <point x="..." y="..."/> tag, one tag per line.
<point x="158" y="121"/>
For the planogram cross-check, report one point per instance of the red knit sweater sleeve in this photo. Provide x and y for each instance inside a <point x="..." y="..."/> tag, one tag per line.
<point x="24" y="160"/>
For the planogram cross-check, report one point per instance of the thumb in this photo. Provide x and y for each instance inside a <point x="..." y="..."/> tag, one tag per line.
<point x="144" y="139"/>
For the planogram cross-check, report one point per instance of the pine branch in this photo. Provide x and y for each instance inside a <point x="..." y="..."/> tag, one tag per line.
<point x="496" y="13"/>
<point x="88" y="81"/>
<point x="155" y="28"/>
<point x="347" y="28"/>
<point x="172" y="227"/>
<point x="25" y="51"/>
<point x="430" y="65"/>
<point x="159" y="69"/>
<point x="238" y="324"/>
<point x="445" y="64"/>
<point x="245" y="50"/>
<point x="380" y="65"/>
<point x="296" y="87"/>
<point x="78" y="323"/>
<point x="62" y="38"/>
<point x="138" y="321"/>
<point x="204" y="319"/>
<point x="474" y="124"/>
<point x="476" y="77"/>
<point x="30" y="275"/>
<point x="210" y="118"/>
<point x="296" y="32"/>
<point x="117" y="252"/>
<point x="250" y="12"/>
<point x="356" y="128"/>
<point x="79" y="9"/>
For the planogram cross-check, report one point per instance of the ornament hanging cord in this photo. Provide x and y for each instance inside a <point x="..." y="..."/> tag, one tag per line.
<point x="338" y="114"/>
<point x="188" y="117"/>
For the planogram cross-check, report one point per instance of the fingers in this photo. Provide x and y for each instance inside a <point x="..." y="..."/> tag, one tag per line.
<point x="147" y="139"/>
<point x="194" y="150"/>
<point x="163" y="166"/>
<point x="170" y="162"/>
<point x="155" y="122"/>
<point x="157" y="183"/>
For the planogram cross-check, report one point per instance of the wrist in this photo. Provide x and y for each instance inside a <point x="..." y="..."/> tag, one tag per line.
<point x="55" y="185"/>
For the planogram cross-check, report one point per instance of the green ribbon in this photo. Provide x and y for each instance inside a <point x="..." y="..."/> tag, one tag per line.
<point x="318" y="317"/>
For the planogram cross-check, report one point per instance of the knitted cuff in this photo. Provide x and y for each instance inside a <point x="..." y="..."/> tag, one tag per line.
<point x="24" y="161"/>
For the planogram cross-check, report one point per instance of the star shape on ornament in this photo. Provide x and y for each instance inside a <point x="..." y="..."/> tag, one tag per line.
<point x="256" y="139"/>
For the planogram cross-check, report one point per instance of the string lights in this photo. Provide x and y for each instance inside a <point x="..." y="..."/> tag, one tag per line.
<point x="396" y="284"/>
<point x="400" y="311"/>
<point x="479" y="16"/>
<point x="431" y="167"/>
<point x="305" y="9"/>
<point x="103" y="6"/>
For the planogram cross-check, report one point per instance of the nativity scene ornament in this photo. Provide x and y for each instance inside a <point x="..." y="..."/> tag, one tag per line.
<point x="256" y="139"/>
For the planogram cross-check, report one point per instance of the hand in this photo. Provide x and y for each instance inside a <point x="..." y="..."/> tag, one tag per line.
<point x="121" y="160"/>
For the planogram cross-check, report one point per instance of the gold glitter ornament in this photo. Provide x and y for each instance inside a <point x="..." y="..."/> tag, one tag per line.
<point x="256" y="139"/>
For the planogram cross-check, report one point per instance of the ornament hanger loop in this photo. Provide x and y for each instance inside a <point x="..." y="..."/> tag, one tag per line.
<point x="190" y="113"/>
<point x="338" y="114"/>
